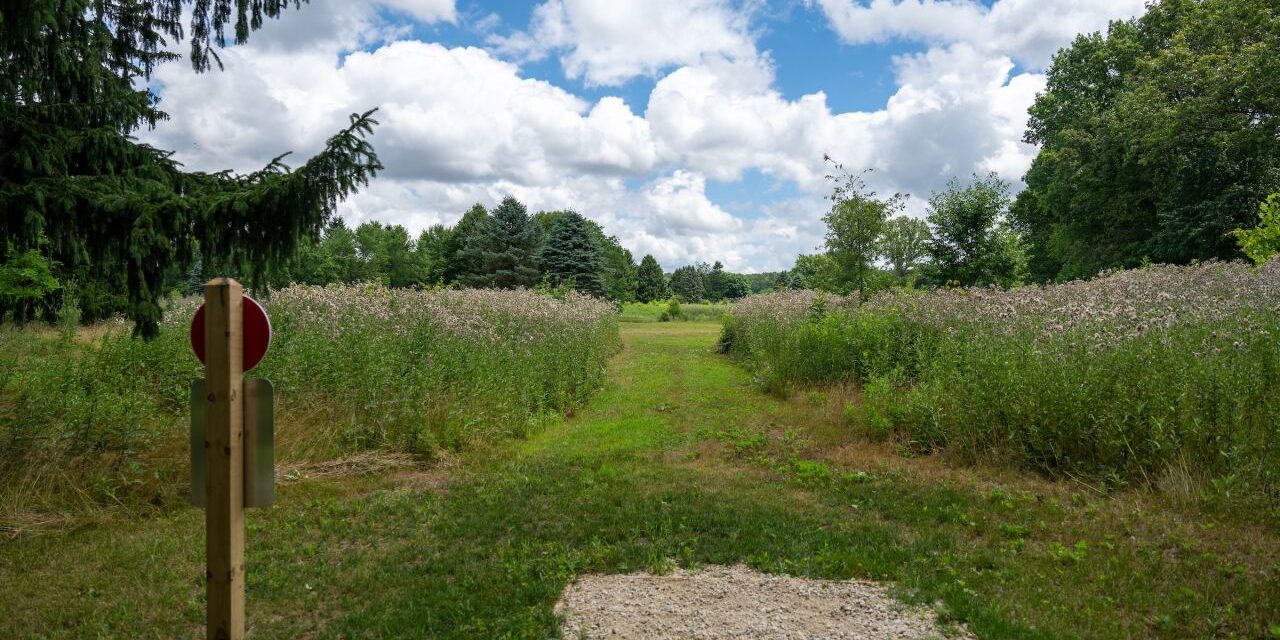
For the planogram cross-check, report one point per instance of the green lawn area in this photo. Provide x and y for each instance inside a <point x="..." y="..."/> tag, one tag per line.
<point x="679" y="460"/>
<point x="652" y="311"/>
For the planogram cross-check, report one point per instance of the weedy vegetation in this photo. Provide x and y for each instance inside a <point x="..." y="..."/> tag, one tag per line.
<point x="100" y="418"/>
<point x="678" y="460"/>
<point x="1163" y="376"/>
<point x="672" y="310"/>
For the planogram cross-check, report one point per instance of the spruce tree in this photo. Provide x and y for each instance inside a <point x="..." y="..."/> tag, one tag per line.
<point x="619" y="266"/>
<point x="687" y="284"/>
<point x="716" y="282"/>
<point x="195" y="279"/>
<point x="73" y="88"/>
<point x="570" y="255"/>
<point x="503" y="254"/>
<point x="651" y="283"/>
<point x="458" y="263"/>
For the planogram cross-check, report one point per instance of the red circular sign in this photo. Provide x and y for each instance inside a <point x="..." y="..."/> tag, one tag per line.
<point x="256" y="331"/>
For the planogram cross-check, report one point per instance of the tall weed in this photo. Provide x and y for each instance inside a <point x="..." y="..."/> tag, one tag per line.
<point x="103" y="416"/>
<point x="1117" y="379"/>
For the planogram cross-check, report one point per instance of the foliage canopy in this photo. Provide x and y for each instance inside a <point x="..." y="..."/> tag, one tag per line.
<point x="73" y="176"/>
<point x="1157" y="139"/>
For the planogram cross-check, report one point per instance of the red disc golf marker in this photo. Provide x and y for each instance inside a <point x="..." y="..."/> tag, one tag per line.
<point x="257" y="333"/>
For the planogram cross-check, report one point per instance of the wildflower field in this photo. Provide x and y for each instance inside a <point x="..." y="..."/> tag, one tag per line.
<point x="1165" y="376"/>
<point x="96" y="417"/>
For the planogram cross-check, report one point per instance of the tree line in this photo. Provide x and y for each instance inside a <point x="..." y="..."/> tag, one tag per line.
<point x="1159" y="141"/>
<point x="505" y="248"/>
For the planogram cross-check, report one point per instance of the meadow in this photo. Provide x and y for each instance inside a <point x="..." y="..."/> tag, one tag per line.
<point x="690" y="311"/>
<point x="96" y="418"/>
<point x="678" y="460"/>
<point x="1162" y="377"/>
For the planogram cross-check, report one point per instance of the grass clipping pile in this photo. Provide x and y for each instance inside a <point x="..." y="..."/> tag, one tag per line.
<point x="737" y="602"/>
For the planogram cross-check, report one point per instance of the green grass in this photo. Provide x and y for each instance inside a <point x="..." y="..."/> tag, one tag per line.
<point x="652" y="311"/>
<point x="678" y="460"/>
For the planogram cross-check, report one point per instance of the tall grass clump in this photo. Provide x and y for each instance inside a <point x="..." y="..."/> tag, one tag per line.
<point x="1133" y="376"/>
<point x="104" y="416"/>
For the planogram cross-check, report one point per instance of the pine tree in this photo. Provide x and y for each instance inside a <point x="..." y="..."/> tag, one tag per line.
<point x="570" y="255"/>
<point x="503" y="254"/>
<point x="457" y="262"/>
<point x="619" y="266"/>
<point x="687" y="284"/>
<point x="651" y="283"/>
<point x="716" y="282"/>
<point x="195" y="279"/>
<point x="70" y="98"/>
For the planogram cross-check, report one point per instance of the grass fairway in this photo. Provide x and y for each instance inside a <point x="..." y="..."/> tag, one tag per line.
<point x="679" y="460"/>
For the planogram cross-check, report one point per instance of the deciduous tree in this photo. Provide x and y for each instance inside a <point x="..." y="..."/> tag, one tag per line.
<point x="905" y="244"/>
<point x="1156" y="139"/>
<point x="1262" y="243"/>
<point x="971" y="245"/>
<point x="854" y="226"/>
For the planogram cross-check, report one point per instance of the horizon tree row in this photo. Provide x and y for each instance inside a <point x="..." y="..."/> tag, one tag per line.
<point x="503" y="249"/>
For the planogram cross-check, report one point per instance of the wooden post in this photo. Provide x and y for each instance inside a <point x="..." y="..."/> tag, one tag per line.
<point x="224" y="446"/>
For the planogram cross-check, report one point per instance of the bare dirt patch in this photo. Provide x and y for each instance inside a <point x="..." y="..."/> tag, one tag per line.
<point x="737" y="602"/>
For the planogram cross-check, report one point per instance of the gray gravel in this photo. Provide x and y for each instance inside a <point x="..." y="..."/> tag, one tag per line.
<point x="736" y="602"/>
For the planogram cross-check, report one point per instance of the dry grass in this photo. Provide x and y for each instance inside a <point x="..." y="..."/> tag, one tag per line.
<point x="359" y="464"/>
<point x="1167" y="512"/>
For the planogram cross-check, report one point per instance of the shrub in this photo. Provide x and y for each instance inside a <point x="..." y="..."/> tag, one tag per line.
<point x="673" y="311"/>
<point x="1262" y="242"/>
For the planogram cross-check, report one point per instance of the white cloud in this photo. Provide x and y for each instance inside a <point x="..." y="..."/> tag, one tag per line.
<point x="724" y="117"/>
<point x="956" y="111"/>
<point x="608" y="43"/>
<point x="454" y="115"/>
<point x="1029" y="31"/>
<point x="345" y="25"/>
<point x="679" y="203"/>
<point x="425" y="10"/>
<point x="460" y="125"/>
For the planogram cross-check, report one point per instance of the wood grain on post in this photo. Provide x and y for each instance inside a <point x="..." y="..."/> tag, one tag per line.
<point x="224" y="413"/>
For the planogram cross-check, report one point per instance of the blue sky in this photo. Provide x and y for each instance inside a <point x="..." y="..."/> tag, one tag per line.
<point x="692" y="129"/>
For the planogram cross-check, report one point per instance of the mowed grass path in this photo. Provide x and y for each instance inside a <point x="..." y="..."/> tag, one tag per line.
<point x="679" y="460"/>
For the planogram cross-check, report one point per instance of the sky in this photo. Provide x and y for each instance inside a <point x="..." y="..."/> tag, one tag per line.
<point x="693" y="130"/>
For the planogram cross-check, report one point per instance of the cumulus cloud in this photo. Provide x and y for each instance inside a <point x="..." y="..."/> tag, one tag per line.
<point x="344" y="25"/>
<point x="724" y="117"/>
<point x="463" y="125"/>
<point x="956" y="111"/>
<point x="424" y="10"/>
<point x="1029" y="31"/>
<point x="447" y="114"/>
<point x="608" y="43"/>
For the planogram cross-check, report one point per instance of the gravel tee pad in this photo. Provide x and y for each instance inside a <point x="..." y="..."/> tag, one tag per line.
<point x="737" y="602"/>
